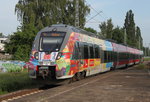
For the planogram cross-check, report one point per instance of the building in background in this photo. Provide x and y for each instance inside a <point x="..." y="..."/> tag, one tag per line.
<point x="3" y="54"/>
<point x="2" y="43"/>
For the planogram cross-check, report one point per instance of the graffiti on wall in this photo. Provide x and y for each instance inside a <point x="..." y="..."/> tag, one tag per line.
<point x="11" y="66"/>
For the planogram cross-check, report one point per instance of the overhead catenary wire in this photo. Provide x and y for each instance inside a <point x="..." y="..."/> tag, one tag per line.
<point x="92" y="8"/>
<point x="93" y="16"/>
<point x="77" y="15"/>
<point x="95" y="10"/>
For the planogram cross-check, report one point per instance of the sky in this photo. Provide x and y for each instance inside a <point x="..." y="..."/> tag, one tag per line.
<point x="114" y="9"/>
<point x="117" y="9"/>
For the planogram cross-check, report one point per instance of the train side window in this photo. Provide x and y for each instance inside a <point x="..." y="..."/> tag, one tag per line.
<point x="108" y="56"/>
<point x="119" y="56"/>
<point x="111" y="58"/>
<point x="123" y="56"/>
<point x="76" y="51"/>
<point x="81" y="50"/>
<point x="97" y="55"/>
<point x="129" y="56"/>
<point x="105" y="56"/>
<point x="114" y="56"/>
<point x="91" y="51"/>
<point x="102" y="56"/>
<point x="86" y="52"/>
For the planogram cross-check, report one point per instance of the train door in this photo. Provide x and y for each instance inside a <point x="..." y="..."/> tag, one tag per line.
<point x="80" y="55"/>
<point x="77" y="56"/>
<point x="101" y="58"/>
<point x="117" y="59"/>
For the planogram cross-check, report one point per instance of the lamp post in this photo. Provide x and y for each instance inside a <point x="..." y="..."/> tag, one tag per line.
<point x="149" y="50"/>
<point x="77" y="14"/>
<point x="76" y="23"/>
<point x="37" y="3"/>
<point x="145" y="50"/>
<point x="125" y="36"/>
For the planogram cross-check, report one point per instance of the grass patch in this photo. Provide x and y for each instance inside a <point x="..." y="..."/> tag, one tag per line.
<point x="147" y="59"/>
<point x="10" y="82"/>
<point x="141" y="66"/>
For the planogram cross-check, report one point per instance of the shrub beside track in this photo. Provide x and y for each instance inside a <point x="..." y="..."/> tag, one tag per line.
<point x="10" y="82"/>
<point x="147" y="59"/>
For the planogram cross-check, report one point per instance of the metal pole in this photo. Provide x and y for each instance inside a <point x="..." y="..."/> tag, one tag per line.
<point x="37" y="3"/>
<point x="125" y="36"/>
<point x="77" y="13"/>
<point x="145" y="50"/>
<point x="149" y="49"/>
<point x="139" y="43"/>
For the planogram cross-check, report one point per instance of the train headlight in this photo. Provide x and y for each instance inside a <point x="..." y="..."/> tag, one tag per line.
<point x="36" y="56"/>
<point x="59" y="55"/>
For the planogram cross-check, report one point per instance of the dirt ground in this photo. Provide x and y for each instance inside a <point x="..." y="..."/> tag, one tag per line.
<point x="125" y="85"/>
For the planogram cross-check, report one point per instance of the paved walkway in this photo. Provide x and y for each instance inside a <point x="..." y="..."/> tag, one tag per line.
<point x="126" y="85"/>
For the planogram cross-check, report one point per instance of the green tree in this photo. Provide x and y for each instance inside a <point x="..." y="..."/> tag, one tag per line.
<point x="36" y="14"/>
<point x="129" y="25"/>
<point x="103" y="28"/>
<point x="146" y="51"/>
<point x="1" y="34"/>
<point x="21" y="42"/>
<point x="89" y="29"/>
<point x="139" y="39"/>
<point x="118" y="34"/>
<point x="106" y="29"/>
<point x="43" y="13"/>
<point x="109" y="28"/>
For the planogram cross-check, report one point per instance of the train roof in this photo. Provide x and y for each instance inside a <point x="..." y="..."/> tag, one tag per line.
<point x="65" y="28"/>
<point x="77" y="30"/>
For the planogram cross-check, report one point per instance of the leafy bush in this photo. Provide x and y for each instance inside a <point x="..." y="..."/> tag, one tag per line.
<point x="15" y="81"/>
<point x="21" y="42"/>
<point x="141" y="66"/>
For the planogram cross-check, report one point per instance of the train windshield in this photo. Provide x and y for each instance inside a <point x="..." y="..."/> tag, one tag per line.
<point x="51" y="41"/>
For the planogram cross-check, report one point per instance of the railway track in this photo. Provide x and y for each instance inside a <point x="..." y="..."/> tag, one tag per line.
<point x="23" y="93"/>
<point x="18" y="94"/>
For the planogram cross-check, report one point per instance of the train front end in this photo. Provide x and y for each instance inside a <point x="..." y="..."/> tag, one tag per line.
<point x="46" y="51"/>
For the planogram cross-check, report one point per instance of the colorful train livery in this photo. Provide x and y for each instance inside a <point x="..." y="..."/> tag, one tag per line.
<point x="66" y="52"/>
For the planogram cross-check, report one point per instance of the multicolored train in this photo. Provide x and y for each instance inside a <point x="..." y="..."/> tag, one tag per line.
<point x="66" y="52"/>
